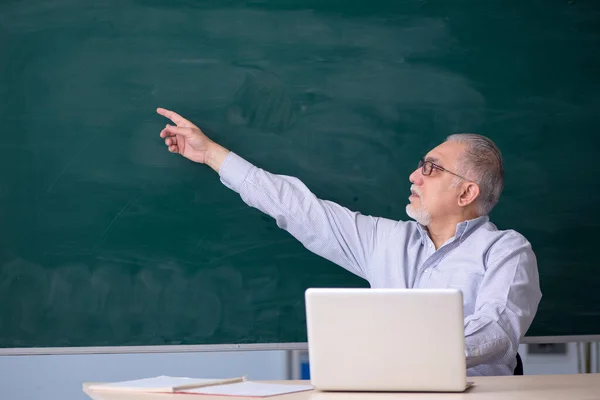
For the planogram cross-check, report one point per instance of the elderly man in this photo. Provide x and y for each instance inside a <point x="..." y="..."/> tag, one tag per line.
<point x="451" y="244"/>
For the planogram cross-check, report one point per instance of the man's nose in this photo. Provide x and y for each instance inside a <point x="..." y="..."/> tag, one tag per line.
<point x="416" y="177"/>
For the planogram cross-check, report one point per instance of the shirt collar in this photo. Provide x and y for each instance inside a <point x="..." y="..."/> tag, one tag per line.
<point x="423" y="231"/>
<point x="462" y="228"/>
<point x="468" y="226"/>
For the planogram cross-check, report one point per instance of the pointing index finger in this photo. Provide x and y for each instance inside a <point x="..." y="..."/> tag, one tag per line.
<point x="173" y="116"/>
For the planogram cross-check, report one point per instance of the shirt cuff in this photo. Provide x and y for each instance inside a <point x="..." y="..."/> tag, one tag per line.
<point x="234" y="170"/>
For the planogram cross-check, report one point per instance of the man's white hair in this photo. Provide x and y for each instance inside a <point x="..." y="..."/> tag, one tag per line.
<point x="482" y="162"/>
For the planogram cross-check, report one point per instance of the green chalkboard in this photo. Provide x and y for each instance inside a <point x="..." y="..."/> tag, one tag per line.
<point x="106" y="239"/>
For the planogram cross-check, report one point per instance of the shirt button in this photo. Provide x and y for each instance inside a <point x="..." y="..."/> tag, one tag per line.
<point x="426" y="271"/>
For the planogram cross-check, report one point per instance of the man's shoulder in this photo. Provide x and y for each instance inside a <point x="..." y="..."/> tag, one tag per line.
<point x="493" y="229"/>
<point x="501" y="238"/>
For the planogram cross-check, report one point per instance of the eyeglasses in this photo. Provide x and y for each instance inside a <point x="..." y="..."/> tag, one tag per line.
<point x="427" y="168"/>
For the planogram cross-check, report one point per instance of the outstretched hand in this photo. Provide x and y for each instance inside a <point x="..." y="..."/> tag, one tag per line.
<point x="187" y="139"/>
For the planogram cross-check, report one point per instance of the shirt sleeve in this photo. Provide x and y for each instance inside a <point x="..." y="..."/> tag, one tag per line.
<point x="334" y="232"/>
<point x="506" y="303"/>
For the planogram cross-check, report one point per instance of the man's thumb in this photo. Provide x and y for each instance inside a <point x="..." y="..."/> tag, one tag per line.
<point x="179" y="130"/>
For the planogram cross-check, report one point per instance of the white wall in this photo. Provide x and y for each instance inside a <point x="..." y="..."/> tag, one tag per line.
<point x="61" y="376"/>
<point x="572" y="362"/>
<point x="542" y="364"/>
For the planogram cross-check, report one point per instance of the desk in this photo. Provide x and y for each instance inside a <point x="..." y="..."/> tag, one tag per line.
<point x="527" y="387"/>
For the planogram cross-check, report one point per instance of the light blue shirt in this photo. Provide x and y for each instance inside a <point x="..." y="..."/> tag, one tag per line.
<point x="495" y="270"/>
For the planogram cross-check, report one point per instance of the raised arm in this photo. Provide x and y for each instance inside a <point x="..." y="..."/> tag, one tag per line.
<point x="334" y="232"/>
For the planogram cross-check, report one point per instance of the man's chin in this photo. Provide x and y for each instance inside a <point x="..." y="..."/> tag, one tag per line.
<point x="419" y="215"/>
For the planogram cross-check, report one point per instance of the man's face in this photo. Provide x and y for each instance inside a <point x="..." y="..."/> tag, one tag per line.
<point x="434" y="196"/>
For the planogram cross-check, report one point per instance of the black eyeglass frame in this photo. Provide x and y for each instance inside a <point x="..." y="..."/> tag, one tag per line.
<point x="424" y="169"/>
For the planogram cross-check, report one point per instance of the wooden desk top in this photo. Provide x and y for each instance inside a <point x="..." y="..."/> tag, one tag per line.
<point x="527" y="387"/>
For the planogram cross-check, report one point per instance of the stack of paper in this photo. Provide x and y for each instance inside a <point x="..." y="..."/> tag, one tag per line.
<point x="168" y="384"/>
<point x="224" y="387"/>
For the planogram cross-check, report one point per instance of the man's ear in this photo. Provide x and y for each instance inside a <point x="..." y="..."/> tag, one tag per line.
<point x="468" y="194"/>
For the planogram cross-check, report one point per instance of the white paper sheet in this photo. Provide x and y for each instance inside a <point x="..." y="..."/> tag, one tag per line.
<point x="155" y="384"/>
<point x="250" y="389"/>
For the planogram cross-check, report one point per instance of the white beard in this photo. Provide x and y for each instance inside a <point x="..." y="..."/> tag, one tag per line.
<point x="421" y="215"/>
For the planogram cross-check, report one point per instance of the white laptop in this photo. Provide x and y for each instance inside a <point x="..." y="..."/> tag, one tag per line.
<point x="386" y="339"/>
